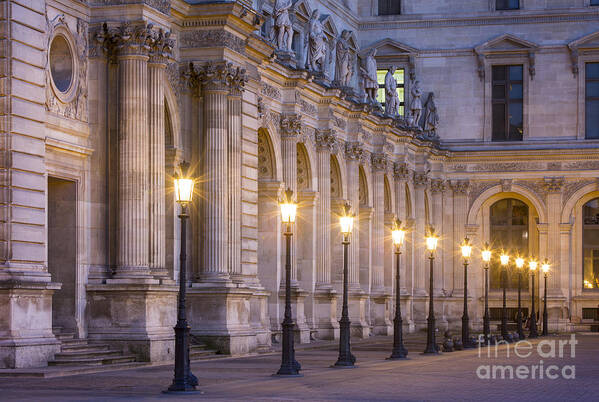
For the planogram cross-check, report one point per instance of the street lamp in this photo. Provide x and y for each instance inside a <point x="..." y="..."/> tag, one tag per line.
<point x="431" y="245"/>
<point x="184" y="380"/>
<point x="505" y="259"/>
<point x="486" y="256"/>
<point x="398" y="235"/>
<point x="545" y="268"/>
<point x="466" y="252"/>
<point x="289" y="366"/>
<point x="345" y="359"/>
<point x="519" y="266"/>
<point x="532" y="265"/>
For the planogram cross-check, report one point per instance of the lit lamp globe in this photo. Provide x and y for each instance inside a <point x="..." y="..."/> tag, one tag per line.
<point x="466" y="248"/>
<point x="346" y="221"/>
<point x="288" y="207"/>
<point x="398" y="234"/>
<point x="505" y="259"/>
<point x="519" y="262"/>
<point x="533" y="264"/>
<point x="184" y="186"/>
<point x="486" y="253"/>
<point x="431" y="240"/>
<point x="545" y="266"/>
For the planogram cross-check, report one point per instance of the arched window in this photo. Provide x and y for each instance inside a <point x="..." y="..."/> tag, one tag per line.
<point x="590" y="244"/>
<point x="509" y="231"/>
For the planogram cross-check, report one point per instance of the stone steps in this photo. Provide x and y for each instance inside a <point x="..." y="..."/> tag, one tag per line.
<point x="200" y="351"/>
<point x="97" y="361"/>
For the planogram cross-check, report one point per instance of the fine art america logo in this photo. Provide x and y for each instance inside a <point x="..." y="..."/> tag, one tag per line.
<point x="534" y="367"/>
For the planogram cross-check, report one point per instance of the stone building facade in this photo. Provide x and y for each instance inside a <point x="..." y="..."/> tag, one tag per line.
<point x="103" y="99"/>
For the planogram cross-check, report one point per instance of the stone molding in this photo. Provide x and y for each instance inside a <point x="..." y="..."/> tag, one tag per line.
<point x="164" y="6"/>
<point x="212" y="38"/>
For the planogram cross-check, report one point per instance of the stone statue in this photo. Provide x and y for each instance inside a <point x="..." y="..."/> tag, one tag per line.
<point x="431" y="118"/>
<point x="369" y="76"/>
<point x="316" y="54"/>
<point x="282" y="25"/>
<point x="416" y="104"/>
<point x="391" y="97"/>
<point x="343" y="64"/>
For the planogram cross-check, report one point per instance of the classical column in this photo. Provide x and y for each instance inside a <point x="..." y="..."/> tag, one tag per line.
<point x="291" y="126"/>
<point x="133" y="258"/>
<point x="420" y="255"/>
<point x="460" y="216"/>
<point x="234" y="109"/>
<point x="400" y="173"/>
<point x="217" y="81"/>
<point x="325" y="143"/>
<point x="379" y="165"/>
<point x="553" y="186"/>
<point x="438" y="187"/>
<point x="161" y="48"/>
<point x="353" y="154"/>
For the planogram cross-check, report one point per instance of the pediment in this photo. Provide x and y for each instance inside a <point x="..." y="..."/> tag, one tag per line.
<point x="506" y="44"/>
<point x="329" y="26"/>
<point x="389" y="47"/>
<point x="302" y="9"/>
<point x="587" y="42"/>
<point x="353" y="41"/>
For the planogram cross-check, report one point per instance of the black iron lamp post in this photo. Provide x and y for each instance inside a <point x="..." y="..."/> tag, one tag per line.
<point x="289" y="366"/>
<point x="545" y="268"/>
<point x="184" y="380"/>
<point x="346" y="359"/>
<point x="519" y="266"/>
<point x="466" y="252"/>
<point x="398" y="234"/>
<point x="486" y="256"/>
<point x="532" y="265"/>
<point x="505" y="259"/>
<point x="431" y="245"/>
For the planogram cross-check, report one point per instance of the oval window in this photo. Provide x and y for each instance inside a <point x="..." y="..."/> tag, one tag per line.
<point x="61" y="63"/>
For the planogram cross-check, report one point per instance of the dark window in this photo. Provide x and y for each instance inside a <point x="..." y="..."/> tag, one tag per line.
<point x="507" y="4"/>
<point x="509" y="232"/>
<point x="592" y="100"/>
<point x="507" y="99"/>
<point x="401" y="86"/>
<point x="590" y="244"/>
<point x="389" y="7"/>
<point x="594" y="2"/>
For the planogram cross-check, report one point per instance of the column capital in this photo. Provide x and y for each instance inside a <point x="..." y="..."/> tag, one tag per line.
<point x="461" y="186"/>
<point x="161" y="47"/>
<point x="401" y="171"/>
<point x="217" y="76"/>
<point x="326" y="140"/>
<point x="378" y="162"/>
<point x="553" y="184"/>
<point x="291" y="125"/>
<point x="354" y="151"/>
<point x="133" y="39"/>
<point x="438" y="185"/>
<point x="421" y="179"/>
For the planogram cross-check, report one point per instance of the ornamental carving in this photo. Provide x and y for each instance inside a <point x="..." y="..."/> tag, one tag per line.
<point x="175" y="79"/>
<point x="438" y="185"/>
<point x="378" y="162"/>
<point x="506" y="185"/>
<point x="303" y="169"/>
<point x="291" y="125"/>
<point x="401" y="171"/>
<point x="219" y="75"/>
<point x="270" y="91"/>
<point x="265" y="157"/>
<point x="537" y="187"/>
<point x="134" y="38"/>
<point x="553" y="184"/>
<point x="339" y="122"/>
<point x="420" y="179"/>
<point x="570" y="188"/>
<point x="161" y="46"/>
<point x="354" y="151"/>
<point x="477" y="188"/>
<point x="326" y="140"/>
<point x="460" y="187"/>
<point x="581" y="165"/>
<point x="362" y="188"/>
<point x="164" y="6"/>
<point x="307" y="107"/>
<point x="212" y="38"/>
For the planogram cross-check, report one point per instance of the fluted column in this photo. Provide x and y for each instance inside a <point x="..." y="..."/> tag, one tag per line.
<point x="234" y="106"/>
<point x="159" y="54"/>
<point x="420" y="253"/>
<point x="379" y="165"/>
<point x="290" y="130"/>
<point x="133" y="258"/>
<point x="353" y="154"/>
<point x="437" y="189"/>
<point x="553" y="186"/>
<point x="217" y="81"/>
<point x="325" y="142"/>
<point x="460" y="216"/>
<point x="400" y="173"/>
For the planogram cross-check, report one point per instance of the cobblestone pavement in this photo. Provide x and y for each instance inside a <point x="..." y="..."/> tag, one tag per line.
<point x="450" y="376"/>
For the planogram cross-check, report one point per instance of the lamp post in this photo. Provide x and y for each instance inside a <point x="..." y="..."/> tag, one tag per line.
<point x="398" y="234"/>
<point x="486" y="256"/>
<point x="532" y="265"/>
<point x="466" y="252"/>
<point x="184" y="380"/>
<point x="505" y="259"/>
<point x="545" y="268"/>
<point x="289" y="367"/>
<point x="345" y="359"/>
<point x="519" y="266"/>
<point x="431" y="245"/>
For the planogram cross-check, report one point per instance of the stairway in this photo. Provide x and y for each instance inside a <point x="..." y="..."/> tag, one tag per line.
<point x="78" y="352"/>
<point x="200" y="351"/>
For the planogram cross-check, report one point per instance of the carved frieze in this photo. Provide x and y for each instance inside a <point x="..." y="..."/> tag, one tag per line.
<point x="212" y="38"/>
<point x="175" y="79"/>
<point x="570" y="188"/>
<point x="479" y="187"/>
<point x="270" y="91"/>
<point x="164" y="6"/>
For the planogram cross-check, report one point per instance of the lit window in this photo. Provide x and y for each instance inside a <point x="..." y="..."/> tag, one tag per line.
<point x="507" y="99"/>
<point x="507" y="5"/>
<point x="590" y="244"/>
<point x="594" y="2"/>
<point x="592" y="100"/>
<point x="400" y="78"/>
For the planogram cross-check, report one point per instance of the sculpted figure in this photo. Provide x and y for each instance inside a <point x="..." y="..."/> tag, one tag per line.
<point x="416" y="104"/>
<point x="369" y="76"/>
<point x="282" y="25"/>
<point x="343" y="65"/>
<point x="391" y="97"/>
<point x="316" y="46"/>
<point x="431" y="117"/>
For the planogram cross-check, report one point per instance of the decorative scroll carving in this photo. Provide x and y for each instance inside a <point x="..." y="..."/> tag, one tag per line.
<point x="307" y="107"/>
<point x="420" y="179"/>
<point x="362" y="188"/>
<point x="218" y="75"/>
<point x="477" y="188"/>
<point x="336" y="191"/>
<point x="506" y="185"/>
<point x="401" y="171"/>
<point x="303" y="169"/>
<point x="460" y="186"/>
<point x="265" y="157"/>
<point x="553" y="184"/>
<point x="571" y="187"/>
<point x="291" y="125"/>
<point x="354" y="151"/>
<point x="270" y="91"/>
<point x="378" y="162"/>
<point x="326" y="139"/>
<point x="161" y="46"/>
<point x="212" y="38"/>
<point x="438" y="185"/>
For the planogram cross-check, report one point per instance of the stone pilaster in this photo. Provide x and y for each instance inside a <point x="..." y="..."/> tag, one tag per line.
<point x="553" y="186"/>
<point x="234" y="170"/>
<point x="438" y="187"/>
<point x="133" y="257"/>
<point x="379" y="165"/>
<point x="353" y="154"/>
<point x="460" y="215"/>
<point x="160" y="51"/>
<point x="420" y="254"/>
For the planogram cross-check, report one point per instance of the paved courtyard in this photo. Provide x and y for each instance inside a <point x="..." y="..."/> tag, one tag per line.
<point x="450" y="376"/>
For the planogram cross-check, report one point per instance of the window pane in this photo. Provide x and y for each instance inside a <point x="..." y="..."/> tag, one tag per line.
<point x="498" y="73"/>
<point x="400" y="93"/>
<point x="381" y="95"/>
<point x="515" y="73"/>
<point x="592" y="90"/>
<point x="516" y="91"/>
<point x="499" y="122"/>
<point x="592" y="119"/>
<point x="590" y="245"/>
<point x="594" y="2"/>
<point x="515" y="119"/>
<point x="498" y="91"/>
<point x="592" y="69"/>
<point x="380" y="76"/>
<point x="399" y="76"/>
